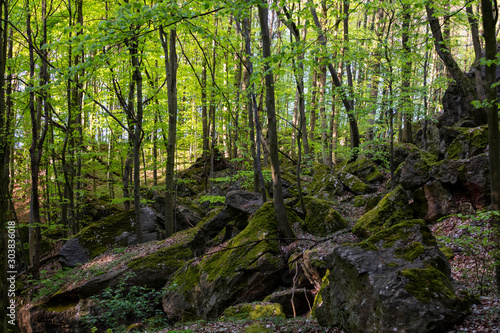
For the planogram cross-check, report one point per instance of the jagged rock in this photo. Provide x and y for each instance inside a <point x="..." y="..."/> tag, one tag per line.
<point x="73" y="254"/>
<point x="353" y="183"/>
<point x="395" y="281"/>
<point x="474" y="176"/>
<point x="416" y="169"/>
<point x="393" y="208"/>
<point x="302" y="301"/>
<point x="248" y="269"/>
<point x="447" y="171"/>
<point x="111" y="232"/>
<point x="321" y="218"/>
<point x="325" y="185"/>
<point x="432" y="201"/>
<point x="364" y="168"/>
<point x="254" y="311"/>
<point x="245" y="201"/>
<point x="369" y="201"/>
<point x="470" y="142"/>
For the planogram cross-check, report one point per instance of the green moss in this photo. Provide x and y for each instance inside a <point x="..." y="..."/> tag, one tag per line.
<point x="427" y="283"/>
<point x="172" y="257"/>
<point x="256" y="244"/>
<point x="321" y="217"/>
<point x="400" y="233"/>
<point x="448" y="252"/>
<point x="476" y="138"/>
<point x="354" y="184"/>
<point x="100" y="236"/>
<point x="254" y="311"/>
<point x="324" y="181"/>
<point x="318" y="299"/>
<point x="359" y="201"/>
<point x="392" y="209"/>
<point x="365" y="169"/>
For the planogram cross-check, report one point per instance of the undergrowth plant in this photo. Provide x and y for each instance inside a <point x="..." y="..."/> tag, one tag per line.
<point x="476" y="242"/>
<point x="115" y="307"/>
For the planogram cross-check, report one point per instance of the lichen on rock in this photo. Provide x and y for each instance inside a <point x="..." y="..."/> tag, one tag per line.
<point x="321" y="217"/>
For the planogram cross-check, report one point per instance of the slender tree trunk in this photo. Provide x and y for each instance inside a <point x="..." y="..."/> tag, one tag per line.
<point x="4" y="176"/>
<point x="405" y="85"/>
<point x="170" y="52"/>
<point x="491" y="92"/>
<point x="285" y="230"/>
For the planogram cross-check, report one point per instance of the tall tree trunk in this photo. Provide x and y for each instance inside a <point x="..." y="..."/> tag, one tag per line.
<point x="347" y="99"/>
<point x="138" y="135"/>
<point x="170" y="52"/>
<point x="285" y="230"/>
<point x="490" y="16"/>
<point x="4" y="162"/>
<point x="405" y="84"/>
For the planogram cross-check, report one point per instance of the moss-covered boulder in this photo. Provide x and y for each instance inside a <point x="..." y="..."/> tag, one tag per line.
<point x="325" y="185"/>
<point x="392" y="209"/>
<point x="353" y="183"/>
<point x="321" y="218"/>
<point x="247" y="268"/>
<point x="111" y="232"/>
<point x="363" y="168"/>
<point x="470" y="142"/>
<point x="254" y="311"/>
<point x="416" y="169"/>
<point x="397" y="280"/>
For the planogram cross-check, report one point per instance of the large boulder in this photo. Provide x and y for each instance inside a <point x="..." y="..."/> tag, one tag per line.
<point x="321" y="218"/>
<point x="247" y="268"/>
<point x="474" y="176"/>
<point x="114" y="231"/>
<point x="416" y="169"/>
<point x="363" y="168"/>
<point x="432" y="201"/>
<point x="325" y="185"/>
<point x="393" y="208"/>
<point x="470" y="142"/>
<point x="395" y="281"/>
<point x="353" y="183"/>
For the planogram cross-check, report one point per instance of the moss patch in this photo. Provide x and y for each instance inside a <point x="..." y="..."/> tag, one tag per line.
<point x="470" y="142"/>
<point x="172" y="257"/>
<point x="365" y="169"/>
<point x="100" y="236"/>
<point x="392" y="209"/>
<point x="254" y="311"/>
<point x="321" y="217"/>
<point x="352" y="182"/>
<point x="428" y="283"/>
<point x="318" y="300"/>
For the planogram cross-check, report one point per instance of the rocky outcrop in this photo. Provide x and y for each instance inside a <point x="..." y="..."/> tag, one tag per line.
<point x="247" y="268"/>
<point x="321" y="218"/>
<point x="397" y="280"/>
<point x="416" y="169"/>
<point x="325" y="185"/>
<point x="363" y="168"/>
<point x="111" y="232"/>
<point x="393" y="208"/>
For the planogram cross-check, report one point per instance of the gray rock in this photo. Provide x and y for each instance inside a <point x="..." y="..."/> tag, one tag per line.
<point x="416" y="170"/>
<point x="395" y="281"/>
<point x="73" y="254"/>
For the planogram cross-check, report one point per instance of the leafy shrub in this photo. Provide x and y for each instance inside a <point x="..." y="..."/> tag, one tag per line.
<point x="477" y="243"/>
<point x="114" y="306"/>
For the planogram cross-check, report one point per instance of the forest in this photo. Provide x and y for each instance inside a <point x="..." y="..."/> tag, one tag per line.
<point x="253" y="166"/>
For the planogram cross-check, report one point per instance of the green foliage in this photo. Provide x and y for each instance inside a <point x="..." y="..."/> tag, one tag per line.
<point x="213" y="199"/>
<point x="476" y="241"/>
<point x="135" y="303"/>
<point x="48" y="284"/>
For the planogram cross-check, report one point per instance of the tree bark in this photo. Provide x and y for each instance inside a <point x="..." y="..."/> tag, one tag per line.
<point x="284" y="228"/>
<point x="170" y="52"/>
<point x="491" y="92"/>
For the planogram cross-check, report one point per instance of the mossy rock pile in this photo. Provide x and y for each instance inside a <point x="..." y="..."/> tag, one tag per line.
<point x="321" y="217"/>
<point x="246" y="269"/>
<point x="393" y="208"/>
<point x="416" y="169"/>
<point x="397" y="280"/>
